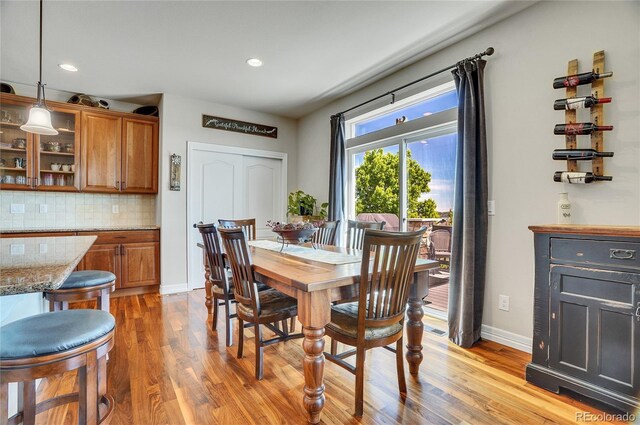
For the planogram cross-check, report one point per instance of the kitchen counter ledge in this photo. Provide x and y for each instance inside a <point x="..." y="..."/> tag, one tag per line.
<point x="77" y="229"/>
<point x="38" y="264"/>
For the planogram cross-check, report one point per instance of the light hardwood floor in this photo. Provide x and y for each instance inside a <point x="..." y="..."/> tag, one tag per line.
<point x="168" y="367"/>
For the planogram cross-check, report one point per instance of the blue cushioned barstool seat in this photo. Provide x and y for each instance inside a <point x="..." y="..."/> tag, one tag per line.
<point x="50" y="344"/>
<point x="80" y="286"/>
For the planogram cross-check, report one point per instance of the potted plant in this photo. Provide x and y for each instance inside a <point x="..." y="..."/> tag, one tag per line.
<point x="302" y="207"/>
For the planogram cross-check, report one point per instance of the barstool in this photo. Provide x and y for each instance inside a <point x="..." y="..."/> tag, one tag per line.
<point x="50" y="344"/>
<point x="80" y="286"/>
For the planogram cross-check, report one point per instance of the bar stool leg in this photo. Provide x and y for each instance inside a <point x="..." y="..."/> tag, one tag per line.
<point x="88" y="399"/>
<point x="27" y="401"/>
<point x="103" y="300"/>
<point x="54" y="305"/>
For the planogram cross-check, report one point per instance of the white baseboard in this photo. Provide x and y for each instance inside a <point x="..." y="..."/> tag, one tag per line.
<point x="173" y="289"/>
<point x="507" y="338"/>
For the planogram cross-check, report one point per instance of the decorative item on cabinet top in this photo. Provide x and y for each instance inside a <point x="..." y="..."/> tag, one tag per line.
<point x="86" y="100"/>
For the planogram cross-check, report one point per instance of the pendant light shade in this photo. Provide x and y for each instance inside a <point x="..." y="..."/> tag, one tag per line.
<point x="39" y="122"/>
<point x="39" y="116"/>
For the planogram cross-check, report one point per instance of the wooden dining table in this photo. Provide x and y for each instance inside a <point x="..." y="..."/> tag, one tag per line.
<point x="316" y="285"/>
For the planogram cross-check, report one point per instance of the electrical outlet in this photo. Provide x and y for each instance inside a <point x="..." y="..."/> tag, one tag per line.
<point x="115" y="209"/>
<point x="17" y="208"/>
<point x="44" y="248"/>
<point x="44" y="208"/>
<point x="491" y="207"/>
<point x="17" y="249"/>
<point x="503" y="302"/>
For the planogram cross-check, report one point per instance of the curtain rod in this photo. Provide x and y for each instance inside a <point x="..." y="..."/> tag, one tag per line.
<point x="487" y="52"/>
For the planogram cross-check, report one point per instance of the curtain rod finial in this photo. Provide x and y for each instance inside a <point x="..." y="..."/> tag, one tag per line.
<point x="489" y="51"/>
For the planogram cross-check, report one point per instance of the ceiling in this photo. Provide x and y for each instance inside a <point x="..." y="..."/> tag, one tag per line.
<point x="313" y="51"/>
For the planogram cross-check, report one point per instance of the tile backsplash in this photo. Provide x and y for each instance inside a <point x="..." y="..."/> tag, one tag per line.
<point x="26" y="210"/>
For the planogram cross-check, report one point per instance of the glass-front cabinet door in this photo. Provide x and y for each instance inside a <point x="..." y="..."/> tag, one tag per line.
<point x="16" y="147"/>
<point x="57" y="156"/>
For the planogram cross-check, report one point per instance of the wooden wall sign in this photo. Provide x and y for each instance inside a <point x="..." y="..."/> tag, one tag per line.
<point x="236" y="126"/>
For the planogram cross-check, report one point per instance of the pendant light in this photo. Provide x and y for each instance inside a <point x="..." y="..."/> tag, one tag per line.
<point x="39" y="116"/>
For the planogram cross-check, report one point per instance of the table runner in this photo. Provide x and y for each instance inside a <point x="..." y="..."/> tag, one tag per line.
<point x="306" y="253"/>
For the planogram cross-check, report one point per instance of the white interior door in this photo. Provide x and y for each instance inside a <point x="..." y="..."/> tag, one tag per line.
<point x="230" y="185"/>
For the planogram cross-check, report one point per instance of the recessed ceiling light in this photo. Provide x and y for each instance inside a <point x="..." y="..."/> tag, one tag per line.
<point x="255" y="62"/>
<point x="68" y="67"/>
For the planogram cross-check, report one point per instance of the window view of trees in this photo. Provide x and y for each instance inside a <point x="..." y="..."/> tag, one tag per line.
<point x="377" y="183"/>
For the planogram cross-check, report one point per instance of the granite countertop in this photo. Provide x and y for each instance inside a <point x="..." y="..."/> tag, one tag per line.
<point x="79" y="229"/>
<point x="37" y="264"/>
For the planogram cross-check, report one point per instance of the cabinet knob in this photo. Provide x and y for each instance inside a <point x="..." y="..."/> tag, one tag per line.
<point x="622" y="254"/>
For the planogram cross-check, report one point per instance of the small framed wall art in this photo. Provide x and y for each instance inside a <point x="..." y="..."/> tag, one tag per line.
<point x="174" y="175"/>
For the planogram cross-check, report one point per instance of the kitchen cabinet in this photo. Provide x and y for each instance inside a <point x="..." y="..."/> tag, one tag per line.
<point x="587" y="312"/>
<point x="132" y="255"/>
<point x="96" y="150"/>
<point x="119" y="154"/>
<point x="37" y="162"/>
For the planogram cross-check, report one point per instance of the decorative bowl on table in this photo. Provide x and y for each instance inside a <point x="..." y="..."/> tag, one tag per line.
<point x="292" y="233"/>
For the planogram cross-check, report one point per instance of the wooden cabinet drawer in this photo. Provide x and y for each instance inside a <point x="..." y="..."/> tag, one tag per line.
<point x="591" y="252"/>
<point x="124" y="236"/>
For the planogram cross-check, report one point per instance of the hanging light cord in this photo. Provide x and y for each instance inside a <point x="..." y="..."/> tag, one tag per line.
<point x="41" y="101"/>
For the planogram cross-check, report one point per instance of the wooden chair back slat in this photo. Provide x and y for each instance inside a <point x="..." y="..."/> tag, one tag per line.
<point x="388" y="262"/>
<point x="355" y="231"/>
<point x="237" y="250"/>
<point x="248" y="226"/>
<point x="326" y="234"/>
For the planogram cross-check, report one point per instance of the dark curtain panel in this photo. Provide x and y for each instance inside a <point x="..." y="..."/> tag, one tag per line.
<point x="469" y="243"/>
<point x="337" y="171"/>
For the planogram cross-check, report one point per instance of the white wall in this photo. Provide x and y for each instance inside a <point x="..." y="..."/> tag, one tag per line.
<point x="181" y="121"/>
<point x="532" y="48"/>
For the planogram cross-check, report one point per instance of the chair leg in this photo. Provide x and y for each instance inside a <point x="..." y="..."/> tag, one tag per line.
<point x="240" y="337"/>
<point x="229" y="325"/>
<point x="4" y="403"/>
<point x="214" y="323"/>
<point x="54" y="305"/>
<point x="259" y="352"/>
<point x="334" y="347"/>
<point x="27" y="402"/>
<point x="360" y="354"/>
<point x="292" y="328"/>
<point x="402" y="383"/>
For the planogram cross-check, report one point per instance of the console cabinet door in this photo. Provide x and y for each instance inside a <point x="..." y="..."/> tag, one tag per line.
<point x="139" y="156"/>
<point x="595" y="326"/>
<point x="104" y="257"/>
<point x="140" y="264"/>
<point x="101" y="152"/>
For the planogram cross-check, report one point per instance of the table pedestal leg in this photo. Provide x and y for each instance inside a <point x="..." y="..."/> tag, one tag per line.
<point x="313" y="345"/>
<point x="415" y="328"/>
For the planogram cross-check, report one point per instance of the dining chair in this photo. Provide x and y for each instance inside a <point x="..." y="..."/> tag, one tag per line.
<point x="221" y="291"/>
<point x="326" y="234"/>
<point x="248" y="225"/>
<point x="253" y="306"/>
<point x="355" y="231"/>
<point x="377" y="318"/>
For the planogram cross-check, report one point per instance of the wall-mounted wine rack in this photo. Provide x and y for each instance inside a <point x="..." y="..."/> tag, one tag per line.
<point x="597" y="118"/>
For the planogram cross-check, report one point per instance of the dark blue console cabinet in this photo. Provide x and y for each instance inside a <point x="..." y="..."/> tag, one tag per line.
<point x="586" y="335"/>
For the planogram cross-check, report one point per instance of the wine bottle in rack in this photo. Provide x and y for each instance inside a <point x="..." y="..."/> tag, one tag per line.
<point x="578" y="102"/>
<point x="579" y="154"/>
<point x="579" y="79"/>
<point x="575" y="177"/>
<point x="580" y="128"/>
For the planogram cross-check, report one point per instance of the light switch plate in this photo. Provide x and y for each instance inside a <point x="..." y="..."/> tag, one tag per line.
<point x="17" y="208"/>
<point x="115" y="209"/>
<point x="503" y="302"/>
<point x="44" y="248"/>
<point x="491" y="207"/>
<point x="44" y="208"/>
